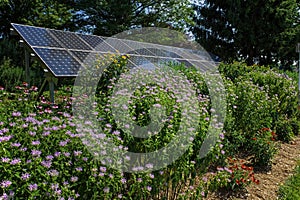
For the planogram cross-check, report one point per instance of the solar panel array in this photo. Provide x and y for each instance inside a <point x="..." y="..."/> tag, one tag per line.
<point x="63" y="53"/>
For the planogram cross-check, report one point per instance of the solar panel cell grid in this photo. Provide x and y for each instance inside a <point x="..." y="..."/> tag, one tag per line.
<point x="92" y="40"/>
<point x="63" y="53"/>
<point x="60" y="62"/>
<point x="70" y="40"/>
<point x="36" y="36"/>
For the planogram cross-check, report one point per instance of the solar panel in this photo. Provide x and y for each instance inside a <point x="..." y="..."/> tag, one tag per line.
<point x="35" y="36"/>
<point x="118" y="45"/>
<point x="60" y="62"/>
<point x="70" y="40"/>
<point x="63" y="53"/>
<point x="92" y="40"/>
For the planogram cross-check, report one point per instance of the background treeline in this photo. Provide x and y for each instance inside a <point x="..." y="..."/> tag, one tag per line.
<point x="263" y="32"/>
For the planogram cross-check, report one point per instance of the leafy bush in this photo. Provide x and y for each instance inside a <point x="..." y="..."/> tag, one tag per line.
<point x="11" y="76"/>
<point x="290" y="189"/>
<point x="44" y="155"/>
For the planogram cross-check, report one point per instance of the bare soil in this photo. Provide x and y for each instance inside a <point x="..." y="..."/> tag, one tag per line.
<point x="282" y="168"/>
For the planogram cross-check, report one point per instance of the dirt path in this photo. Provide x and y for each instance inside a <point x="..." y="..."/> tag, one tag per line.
<point x="283" y="165"/>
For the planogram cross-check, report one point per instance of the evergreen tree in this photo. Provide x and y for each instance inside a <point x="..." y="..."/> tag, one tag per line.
<point x="257" y="31"/>
<point x="46" y="13"/>
<point x="109" y="17"/>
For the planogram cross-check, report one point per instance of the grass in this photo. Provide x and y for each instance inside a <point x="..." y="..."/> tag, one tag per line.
<point x="290" y="190"/>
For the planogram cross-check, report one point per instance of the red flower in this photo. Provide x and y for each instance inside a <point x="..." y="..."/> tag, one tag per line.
<point x="265" y="129"/>
<point x="237" y="181"/>
<point x="254" y="138"/>
<point x="244" y="166"/>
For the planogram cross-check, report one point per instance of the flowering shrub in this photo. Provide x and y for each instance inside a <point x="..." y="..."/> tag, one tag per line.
<point x="235" y="175"/>
<point x="258" y="97"/>
<point x="43" y="154"/>
<point x="262" y="147"/>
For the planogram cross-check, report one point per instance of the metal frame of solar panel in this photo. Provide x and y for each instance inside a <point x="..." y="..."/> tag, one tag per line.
<point x="63" y="52"/>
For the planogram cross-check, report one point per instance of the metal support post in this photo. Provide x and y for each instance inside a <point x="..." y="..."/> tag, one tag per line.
<point x="27" y="67"/>
<point x="52" y="81"/>
<point x="298" y="50"/>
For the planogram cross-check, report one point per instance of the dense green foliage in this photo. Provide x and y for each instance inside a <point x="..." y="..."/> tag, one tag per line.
<point x="290" y="189"/>
<point x="43" y="154"/>
<point x="49" y="13"/>
<point x="110" y="17"/>
<point x="264" y="32"/>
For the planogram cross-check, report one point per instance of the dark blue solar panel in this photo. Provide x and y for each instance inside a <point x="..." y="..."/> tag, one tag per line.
<point x="70" y="40"/>
<point x="98" y="43"/>
<point x="65" y="52"/>
<point x="36" y="36"/>
<point x="118" y="45"/>
<point x="60" y="62"/>
<point x="138" y="48"/>
<point x="92" y="40"/>
<point x="87" y="58"/>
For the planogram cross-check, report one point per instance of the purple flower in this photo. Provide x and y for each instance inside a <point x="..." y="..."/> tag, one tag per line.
<point x="123" y="180"/>
<point x="55" y="128"/>
<point x="46" y="133"/>
<point x="149" y="166"/>
<point x="36" y="153"/>
<point x="101" y="174"/>
<point x="221" y="136"/>
<point x="23" y="149"/>
<point x="25" y="176"/>
<point x="35" y="142"/>
<point x="33" y="187"/>
<point x="106" y="190"/>
<point x="67" y="154"/>
<point x="15" y="144"/>
<point x="222" y="152"/>
<point x="63" y="143"/>
<point x="32" y="133"/>
<point x="5" y="130"/>
<point x="79" y="169"/>
<point x="103" y="169"/>
<point x="149" y="188"/>
<point x="46" y="164"/>
<point x="53" y="172"/>
<point x="85" y="159"/>
<point x="12" y="124"/>
<point x="49" y="157"/>
<point x="56" y="154"/>
<point x="54" y="186"/>
<point x="5" y="138"/>
<point x="58" y="192"/>
<point x="77" y="153"/>
<point x="151" y="175"/>
<point x="16" y="114"/>
<point x="74" y="178"/>
<point x="15" y="161"/>
<point x="6" y="183"/>
<point x="5" y="160"/>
